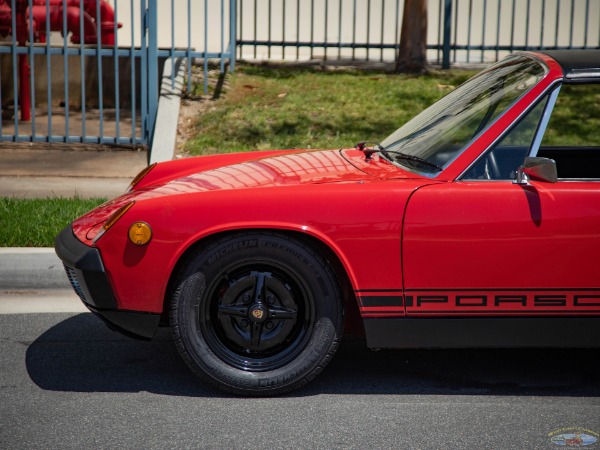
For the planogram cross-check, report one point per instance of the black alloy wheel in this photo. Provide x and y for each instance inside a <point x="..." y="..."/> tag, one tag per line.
<point x="256" y="313"/>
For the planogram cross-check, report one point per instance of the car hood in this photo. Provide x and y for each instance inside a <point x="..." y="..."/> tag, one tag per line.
<point x="274" y="169"/>
<point x="287" y="169"/>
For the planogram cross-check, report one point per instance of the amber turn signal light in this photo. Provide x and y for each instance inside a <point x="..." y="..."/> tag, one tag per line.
<point x="140" y="233"/>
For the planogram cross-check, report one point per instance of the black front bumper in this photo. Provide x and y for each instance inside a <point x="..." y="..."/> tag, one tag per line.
<point x="88" y="278"/>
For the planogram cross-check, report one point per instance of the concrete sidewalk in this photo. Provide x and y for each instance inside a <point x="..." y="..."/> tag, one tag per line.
<point x="42" y="170"/>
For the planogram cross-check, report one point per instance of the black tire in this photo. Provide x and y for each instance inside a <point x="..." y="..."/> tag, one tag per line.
<point x="256" y="313"/>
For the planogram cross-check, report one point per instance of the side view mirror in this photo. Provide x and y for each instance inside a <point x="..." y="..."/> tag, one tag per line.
<point x="539" y="169"/>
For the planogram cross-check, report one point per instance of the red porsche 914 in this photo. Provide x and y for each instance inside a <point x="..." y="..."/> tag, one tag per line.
<point x="475" y="224"/>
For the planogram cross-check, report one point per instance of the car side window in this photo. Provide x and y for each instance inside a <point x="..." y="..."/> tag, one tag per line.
<point x="504" y="158"/>
<point x="572" y="137"/>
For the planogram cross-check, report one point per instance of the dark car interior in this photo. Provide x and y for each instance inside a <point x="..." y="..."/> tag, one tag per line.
<point x="572" y="163"/>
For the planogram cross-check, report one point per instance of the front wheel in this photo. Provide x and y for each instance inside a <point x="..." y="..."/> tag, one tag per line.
<point x="256" y="313"/>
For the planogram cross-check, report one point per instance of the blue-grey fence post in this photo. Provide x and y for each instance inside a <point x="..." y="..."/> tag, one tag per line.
<point x="152" y="67"/>
<point x="144" y="72"/>
<point x="232" y="33"/>
<point x="447" y="30"/>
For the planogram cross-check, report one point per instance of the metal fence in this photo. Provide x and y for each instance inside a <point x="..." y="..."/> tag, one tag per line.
<point x="459" y="31"/>
<point x="510" y="25"/>
<point x="99" y="82"/>
<point x="87" y="71"/>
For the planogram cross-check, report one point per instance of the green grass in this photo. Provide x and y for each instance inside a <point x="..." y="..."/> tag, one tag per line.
<point x="291" y="107"/>
<point x="36" y="222"/>
<point x="575" y="119"/>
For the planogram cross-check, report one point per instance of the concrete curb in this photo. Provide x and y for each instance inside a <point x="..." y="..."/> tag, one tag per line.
<point x="43" y="301"/>
<point x="31" y="268"/>
<point x="167" y="116"/>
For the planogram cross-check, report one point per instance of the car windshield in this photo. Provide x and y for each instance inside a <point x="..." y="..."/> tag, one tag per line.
<point x="443" y="130"/>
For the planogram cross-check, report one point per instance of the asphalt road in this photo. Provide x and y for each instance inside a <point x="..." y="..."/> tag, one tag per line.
<point x="66" y="381"/>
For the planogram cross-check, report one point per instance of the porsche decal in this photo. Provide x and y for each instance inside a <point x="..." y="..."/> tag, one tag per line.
<point x="478" y="302"/>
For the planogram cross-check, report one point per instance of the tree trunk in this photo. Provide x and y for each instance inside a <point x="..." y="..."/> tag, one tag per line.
<point x="412" y="55"/>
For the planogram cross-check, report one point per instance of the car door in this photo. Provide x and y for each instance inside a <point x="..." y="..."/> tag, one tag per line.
<point x="499" y="248"/>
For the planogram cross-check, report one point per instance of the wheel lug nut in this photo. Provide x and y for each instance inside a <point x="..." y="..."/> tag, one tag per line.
<point x="244" y="323"/>
<point x="269" y="325"/>
<point x="246" y="298"/>
<point x="270" y="299"/>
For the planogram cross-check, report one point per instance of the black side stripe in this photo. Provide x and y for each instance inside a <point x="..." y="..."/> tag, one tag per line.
<point x="388" y="300"/>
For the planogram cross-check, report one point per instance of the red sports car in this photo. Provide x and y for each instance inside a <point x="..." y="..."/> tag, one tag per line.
<point x="475" y="224"/>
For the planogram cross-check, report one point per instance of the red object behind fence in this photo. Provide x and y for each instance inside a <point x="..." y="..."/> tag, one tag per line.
<point x="50" y="15"/>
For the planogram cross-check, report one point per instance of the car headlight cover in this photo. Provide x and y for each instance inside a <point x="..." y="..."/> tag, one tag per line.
<point x="114" y="218"/>
<point x="140" y="176"/>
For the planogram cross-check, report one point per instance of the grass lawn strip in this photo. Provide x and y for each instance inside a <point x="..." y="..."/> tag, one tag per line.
<point x="36" y="222"/>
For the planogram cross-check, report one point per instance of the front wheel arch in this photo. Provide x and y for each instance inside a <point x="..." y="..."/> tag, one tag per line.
<point x="353" y="323"/>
